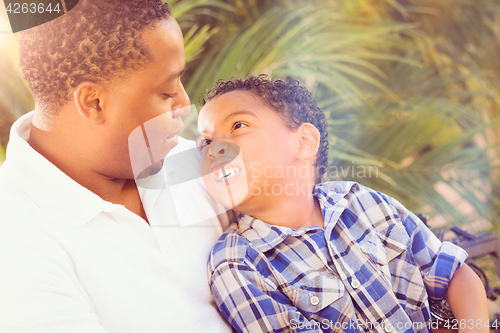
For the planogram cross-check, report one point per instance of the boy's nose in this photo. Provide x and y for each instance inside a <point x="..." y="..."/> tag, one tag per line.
<point x="218" y="149"/>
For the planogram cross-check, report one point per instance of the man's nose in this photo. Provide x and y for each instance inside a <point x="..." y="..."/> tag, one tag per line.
<point x="182" y="104"/>
<point x="218" y="149"/>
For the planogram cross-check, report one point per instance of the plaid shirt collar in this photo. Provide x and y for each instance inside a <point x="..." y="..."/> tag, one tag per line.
<point x="264" y="236"/>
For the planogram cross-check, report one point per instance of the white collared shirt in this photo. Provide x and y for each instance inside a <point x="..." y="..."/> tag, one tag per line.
<point x="72" y="262"/>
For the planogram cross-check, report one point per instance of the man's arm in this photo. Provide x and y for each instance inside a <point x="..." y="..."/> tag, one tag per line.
<point x="39" y="291"/>
<point x="467" y="299"/>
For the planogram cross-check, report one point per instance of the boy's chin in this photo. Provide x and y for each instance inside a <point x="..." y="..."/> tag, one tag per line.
<point x="228" y="195"/>
<point x="228" y="201"/>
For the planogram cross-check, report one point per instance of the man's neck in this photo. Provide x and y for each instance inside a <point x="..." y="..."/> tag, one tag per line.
<point x="73" y="163"/>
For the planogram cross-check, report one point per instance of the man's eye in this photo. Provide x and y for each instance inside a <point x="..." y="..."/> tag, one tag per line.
<point x="167" y="96"/>
<point x="238" y="124"/>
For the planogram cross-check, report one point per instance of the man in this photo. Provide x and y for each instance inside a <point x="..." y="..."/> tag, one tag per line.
<point x="79" y="250"/>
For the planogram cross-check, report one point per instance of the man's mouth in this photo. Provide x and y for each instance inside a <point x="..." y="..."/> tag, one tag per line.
<point x="174" y="139"/>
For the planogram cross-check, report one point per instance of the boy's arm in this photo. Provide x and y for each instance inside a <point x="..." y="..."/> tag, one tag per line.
<point x="444" y="273"/>
<point x="251" y="304"/>
<point x="467" y="299"/>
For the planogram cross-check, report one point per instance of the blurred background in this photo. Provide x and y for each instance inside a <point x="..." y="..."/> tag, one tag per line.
<point x="411" y="88"/>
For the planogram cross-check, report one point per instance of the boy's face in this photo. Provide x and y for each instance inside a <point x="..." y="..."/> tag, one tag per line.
<point x="254" y="174"/>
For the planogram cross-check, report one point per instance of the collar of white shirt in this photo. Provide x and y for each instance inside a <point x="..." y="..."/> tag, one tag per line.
<point x="48" y="186"/>
<point x="61" y="196"/>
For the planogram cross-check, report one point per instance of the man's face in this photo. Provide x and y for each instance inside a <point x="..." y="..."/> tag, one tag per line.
<point x="267" y="148"/>
<point x="151" y="99"/>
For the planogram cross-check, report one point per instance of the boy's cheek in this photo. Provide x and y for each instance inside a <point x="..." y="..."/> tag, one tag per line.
<point x="205" y="166"/>
<point x="231" y="194"/>
<point x="222" y="197"/>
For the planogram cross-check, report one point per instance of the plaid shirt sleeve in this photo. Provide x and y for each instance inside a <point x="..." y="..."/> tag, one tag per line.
<point x="437" y="260"/>
<point x="249" y="301"/>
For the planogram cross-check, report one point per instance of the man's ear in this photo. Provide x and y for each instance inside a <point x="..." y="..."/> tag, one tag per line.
<point x="308" y="139"/>
<point x="87" y="101"/>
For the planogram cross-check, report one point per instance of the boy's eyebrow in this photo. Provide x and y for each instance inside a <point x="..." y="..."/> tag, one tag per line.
<point x="236" y="113"/>
<point x="199" y="137"/>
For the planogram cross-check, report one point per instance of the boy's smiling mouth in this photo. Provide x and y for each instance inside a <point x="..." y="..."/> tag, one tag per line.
<point x="225" y="173"/>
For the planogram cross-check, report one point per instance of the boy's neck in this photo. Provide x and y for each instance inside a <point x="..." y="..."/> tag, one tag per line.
<point x="294" y="212"/>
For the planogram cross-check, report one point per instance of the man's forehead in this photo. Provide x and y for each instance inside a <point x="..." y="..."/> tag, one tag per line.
<point x="165" y="34"/>
<point x="174" y="76"/>
<point x="166" y="45"/>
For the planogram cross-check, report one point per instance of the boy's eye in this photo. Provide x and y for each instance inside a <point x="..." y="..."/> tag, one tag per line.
<point x="203" y="146"/>
<point x="238" y="124"/>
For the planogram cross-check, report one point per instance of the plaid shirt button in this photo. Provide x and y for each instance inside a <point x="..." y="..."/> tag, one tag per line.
<point x="355" y="283"/>
<point x="388" y="327"/>
<point x="314" y="300"/>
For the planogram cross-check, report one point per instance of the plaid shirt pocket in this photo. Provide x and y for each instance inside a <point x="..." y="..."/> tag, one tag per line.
<point x="385" y="245"/>
<point x="316" y="293"/>
<point x="388" y="249"/>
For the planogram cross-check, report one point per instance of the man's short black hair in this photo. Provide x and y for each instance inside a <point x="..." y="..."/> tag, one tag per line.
<point x="98" y="40"/>
<point x="289" y="99"/>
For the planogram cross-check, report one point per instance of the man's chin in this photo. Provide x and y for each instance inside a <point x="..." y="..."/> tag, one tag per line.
<point x="151" y="170"/>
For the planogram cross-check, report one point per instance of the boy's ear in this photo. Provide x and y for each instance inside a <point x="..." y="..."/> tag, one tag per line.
<point x="87" y="99"/>
<point x="308" y="139"/>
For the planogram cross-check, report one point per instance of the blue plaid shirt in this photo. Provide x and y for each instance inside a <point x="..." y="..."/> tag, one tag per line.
<point x="374" y="267"/>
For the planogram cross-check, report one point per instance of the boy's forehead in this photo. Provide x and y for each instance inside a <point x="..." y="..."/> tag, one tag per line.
<point x="216" y="111"/>
<point x="224" y="109"/>
<point x="205" y="119"/>
<point x="232" y="102"/>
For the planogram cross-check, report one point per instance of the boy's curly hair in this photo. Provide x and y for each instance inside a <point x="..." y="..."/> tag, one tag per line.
<point x="289" y="99"/>
<point x="98" y="40"/>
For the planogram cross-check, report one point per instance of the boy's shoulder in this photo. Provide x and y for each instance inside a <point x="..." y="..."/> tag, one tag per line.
<point x="341" y="195"/>
<point x="369" y="211"/>
<point x="335" y="191"/>
<point x="244" y="242"/>
<point x="231" y="247"/>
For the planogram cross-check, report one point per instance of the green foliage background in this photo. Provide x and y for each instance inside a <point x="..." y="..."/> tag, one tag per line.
<point x="409" y="87"/>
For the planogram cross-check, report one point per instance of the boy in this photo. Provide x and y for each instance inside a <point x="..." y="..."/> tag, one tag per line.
<point x="331" y="257"/>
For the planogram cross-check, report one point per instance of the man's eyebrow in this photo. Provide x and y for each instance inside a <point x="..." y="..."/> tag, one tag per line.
<point x="236" y="113"/>
<point x="173" y="77"/>
<point x="176" y="75"/>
